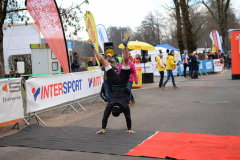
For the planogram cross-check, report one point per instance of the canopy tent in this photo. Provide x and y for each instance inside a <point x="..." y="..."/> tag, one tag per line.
<point x="167" y="46"/>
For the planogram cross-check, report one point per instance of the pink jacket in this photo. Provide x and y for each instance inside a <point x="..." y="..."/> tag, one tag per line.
<point x="132" y="69"/>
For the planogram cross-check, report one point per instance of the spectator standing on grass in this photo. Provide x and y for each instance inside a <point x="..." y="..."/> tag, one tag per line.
<point x="130" y="82"/>
<point x="161" y="67"/>
<point x="185" y="64"/>
<point x="169" y="68"/>
<point x="75" y="64"/>
<point x="108" y="86"/>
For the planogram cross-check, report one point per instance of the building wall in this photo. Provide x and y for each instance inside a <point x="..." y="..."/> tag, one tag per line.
<point x="17" y="40"/>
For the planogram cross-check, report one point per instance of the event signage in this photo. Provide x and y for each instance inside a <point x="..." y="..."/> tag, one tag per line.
<point x="235" y="54"/>
<point x="214" y="35"/>
<point x="102" y="35"/>
<point x="217" y="65"/>
<point x="47" y="91"/>
<point x="11" y="104"/>
<point x="92" y="30"/>
<point x="204" y="66"/>
<point x="147" y="68"/>
<point x="46" y="15"/>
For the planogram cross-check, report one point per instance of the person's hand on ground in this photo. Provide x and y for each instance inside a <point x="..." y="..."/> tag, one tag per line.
<point x="102" y="131"/>
<point x="130" y="131"/>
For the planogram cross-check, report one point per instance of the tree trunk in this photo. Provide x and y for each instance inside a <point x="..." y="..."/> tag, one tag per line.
<point x="2" y="69"/>
<point x="179" y="27"/>
<point x="191" y="46"/>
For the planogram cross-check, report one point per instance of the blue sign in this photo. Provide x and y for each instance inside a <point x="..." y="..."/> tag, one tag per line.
<point x="69" y="45"/>
<point x="204" y="66"/>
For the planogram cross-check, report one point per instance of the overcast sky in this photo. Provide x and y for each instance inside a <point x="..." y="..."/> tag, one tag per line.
<point x="125" y="12"/>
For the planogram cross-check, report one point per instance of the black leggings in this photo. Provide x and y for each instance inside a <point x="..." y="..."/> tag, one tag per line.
<point x="161" y="78"/>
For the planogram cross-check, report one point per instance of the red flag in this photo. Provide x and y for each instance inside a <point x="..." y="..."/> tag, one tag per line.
<point x="46" y="15"/>
<point x="215" y="40"/>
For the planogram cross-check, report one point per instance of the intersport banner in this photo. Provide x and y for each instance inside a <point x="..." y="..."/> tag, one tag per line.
<point x="102" y="36"/>
<point x="11" y="104"/>
<point x="48" y="91"/>
<point x="92" y="30"/>
<point x="46" y="15"/>
<point x="215" y="37"/>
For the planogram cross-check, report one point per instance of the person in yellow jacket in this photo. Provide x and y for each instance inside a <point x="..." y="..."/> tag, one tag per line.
<point x="161" y="67"/>
<point x="169" y="68"/>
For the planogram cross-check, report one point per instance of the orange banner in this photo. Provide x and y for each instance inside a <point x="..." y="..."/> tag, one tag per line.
<point x="46" y="15"/>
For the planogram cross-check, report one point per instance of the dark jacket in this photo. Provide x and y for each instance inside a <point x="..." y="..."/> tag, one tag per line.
<point x="114" y="66"/>
<point x="75" y="63"/>
<point x="193" y="62"/>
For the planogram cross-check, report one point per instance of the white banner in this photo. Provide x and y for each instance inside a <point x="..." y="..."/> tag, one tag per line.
<point x="217" y="65"/>
<point x="157" y="74"/>
<point x="102" y="35"/>
<point x="48" y="91"/>
<point x="11" y="104"/>
<point x="148" y="67"/>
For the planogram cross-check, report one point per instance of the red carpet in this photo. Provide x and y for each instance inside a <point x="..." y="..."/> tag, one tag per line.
<point x="189" y="146"/>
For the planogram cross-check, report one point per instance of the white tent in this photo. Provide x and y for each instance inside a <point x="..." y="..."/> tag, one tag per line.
<point x="156" y="52"/>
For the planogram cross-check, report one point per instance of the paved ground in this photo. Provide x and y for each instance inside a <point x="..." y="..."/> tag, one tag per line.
<point x="208" y="105"/>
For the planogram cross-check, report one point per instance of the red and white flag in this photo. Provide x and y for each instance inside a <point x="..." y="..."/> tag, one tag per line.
<point x="46" y="16"/>
<point x="214" y="35"/>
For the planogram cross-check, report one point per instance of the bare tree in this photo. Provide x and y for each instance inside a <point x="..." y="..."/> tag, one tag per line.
<point x="179" y="26"/>
<point x="221" y="17"/>
<point x="187" y="25"/>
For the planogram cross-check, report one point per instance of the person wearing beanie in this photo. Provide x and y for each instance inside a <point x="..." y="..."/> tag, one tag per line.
<point x="161" y="68"/>
<point x="118" y="102"/>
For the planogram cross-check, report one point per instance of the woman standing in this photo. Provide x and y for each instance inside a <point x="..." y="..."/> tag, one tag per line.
<point x="130" y="82"/>
<point x="161" y="67"/>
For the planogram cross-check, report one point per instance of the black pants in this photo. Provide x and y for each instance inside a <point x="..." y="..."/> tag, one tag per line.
<point x="161" y="78"/>
<point x="185" y="69"/>
<point x="195" y="74"/>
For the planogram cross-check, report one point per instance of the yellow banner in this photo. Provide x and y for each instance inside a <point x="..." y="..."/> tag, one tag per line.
<point x="92" y="30"/>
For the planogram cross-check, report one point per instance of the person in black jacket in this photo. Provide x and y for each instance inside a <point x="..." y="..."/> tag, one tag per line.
<point x="194" y="65"/>
<point x="119" y="99"/>
<point x="75" y="64"/>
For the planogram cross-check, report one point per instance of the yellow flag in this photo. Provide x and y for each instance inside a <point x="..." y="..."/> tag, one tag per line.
<point x="213" y="48"/>
<point x="92" y="30"/>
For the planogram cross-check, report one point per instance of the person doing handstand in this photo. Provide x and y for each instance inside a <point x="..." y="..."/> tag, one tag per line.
<point x="119" y="99"/>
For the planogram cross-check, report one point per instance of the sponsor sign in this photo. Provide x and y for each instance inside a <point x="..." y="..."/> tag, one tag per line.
<point x="235" y="52"/>
<point x="47" y="91"/>
<point x="11" y="105"/>
<point x="147" y="69"/>
<point x="217" y="65"/>
<point x="102" y="36"/>
<point x="92" y="31"/>
<point x="46" y="16"/>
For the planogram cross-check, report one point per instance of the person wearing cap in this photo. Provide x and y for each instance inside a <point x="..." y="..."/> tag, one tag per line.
<point x="184" y="57"/>
<point x="161" y="68"/>
<point x="107" y="83"/>
<point x="75" y="64"/>
<point x="118" y="103"/>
